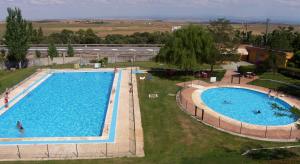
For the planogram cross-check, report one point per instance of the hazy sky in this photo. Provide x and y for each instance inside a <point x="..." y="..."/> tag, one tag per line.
<point x="282" y="10"/>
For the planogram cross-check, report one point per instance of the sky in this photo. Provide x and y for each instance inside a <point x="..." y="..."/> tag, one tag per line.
<point x="276" y="10"/>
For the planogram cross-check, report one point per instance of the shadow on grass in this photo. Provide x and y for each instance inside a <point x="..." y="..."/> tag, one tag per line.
<point x="290" y="90"/>
<point x="271" y="154"/>
<point x="265" y="154"/>
<point x="181" y="75"/>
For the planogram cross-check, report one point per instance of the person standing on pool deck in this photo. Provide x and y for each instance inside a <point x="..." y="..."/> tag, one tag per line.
<point x="6" y="98"/>
<point x="269" y="93"/>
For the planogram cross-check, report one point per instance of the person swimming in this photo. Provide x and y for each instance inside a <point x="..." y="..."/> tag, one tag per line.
<point x="226" y="102"/>
<point x="257" y="112"/>
<point x="20" y="126"/>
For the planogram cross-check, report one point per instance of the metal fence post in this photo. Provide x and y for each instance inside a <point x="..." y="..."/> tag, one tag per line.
<point x="291" y="132"/>
<point x="48" y="154"/>
<point x="196" y="109"/>
<point x="19" y="154"/>
<point x="241" y="127"/>
<point x="76" y="151"/>
<point x="219" y="121"/>
<point x="266" y="131"/>
<point x="202" y="115"/>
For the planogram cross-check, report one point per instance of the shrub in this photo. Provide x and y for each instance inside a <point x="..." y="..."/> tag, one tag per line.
<point x="103" y="61"/>
<point x="244" y="69"/>
<point x="38" y="54"/>
<point x="70" y="51"/>
<point x="289" y="71"/>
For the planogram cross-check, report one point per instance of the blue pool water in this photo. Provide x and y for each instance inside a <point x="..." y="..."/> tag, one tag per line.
<point x="65" y="105"/>
<point x="243" y="105"/>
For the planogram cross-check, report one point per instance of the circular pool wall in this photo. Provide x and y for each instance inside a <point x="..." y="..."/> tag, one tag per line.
<point x="248" y="106"/>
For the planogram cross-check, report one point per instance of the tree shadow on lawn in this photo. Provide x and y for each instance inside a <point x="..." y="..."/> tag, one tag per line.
<point x="182" y="75"/>
<point x="271" y="154"/>
<point x="290" y="90"/>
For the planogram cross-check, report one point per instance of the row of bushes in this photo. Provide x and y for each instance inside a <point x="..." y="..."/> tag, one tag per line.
<point x="248" y="68"/>
<point x="289" y="71"/>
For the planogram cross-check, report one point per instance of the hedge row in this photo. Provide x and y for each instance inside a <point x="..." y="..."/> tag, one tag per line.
<point x="245" y="69"/>
<point x="289" y="71"/>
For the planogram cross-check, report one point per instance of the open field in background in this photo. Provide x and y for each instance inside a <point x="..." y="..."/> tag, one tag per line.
<point x="127" y="27"/>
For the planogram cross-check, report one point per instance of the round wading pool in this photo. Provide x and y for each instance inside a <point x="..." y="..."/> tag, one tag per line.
<point x="248" y="106"/>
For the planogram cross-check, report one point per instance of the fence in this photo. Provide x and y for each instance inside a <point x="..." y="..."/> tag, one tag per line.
<point x="215" y="120"/>
<point x="63" y="151"/>
<point x="132" y="137"/>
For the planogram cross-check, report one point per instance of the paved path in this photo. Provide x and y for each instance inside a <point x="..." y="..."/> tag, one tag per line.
<point x="227" y="78"/>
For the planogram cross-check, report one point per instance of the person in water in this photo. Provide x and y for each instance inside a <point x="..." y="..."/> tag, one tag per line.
<point x="226" y="102"/>
<point x="20" y="126"/>
<point x="257" y="112"/>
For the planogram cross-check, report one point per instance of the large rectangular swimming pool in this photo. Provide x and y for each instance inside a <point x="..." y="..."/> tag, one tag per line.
<point x="72" y="104"/>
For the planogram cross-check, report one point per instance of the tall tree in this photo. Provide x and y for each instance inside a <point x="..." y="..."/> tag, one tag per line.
<point x="224" y="36"/>
<point x="16" y="37"/>
<point x="188" y="47"/>
<point x="52" y="51"/>
<point x="40" y="35"/>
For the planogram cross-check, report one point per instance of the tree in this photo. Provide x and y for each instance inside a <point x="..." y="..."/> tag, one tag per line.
<point x="52" y="51"/>
<point x="16" y="37"/>
<point x="67" y="36"/>
<point x="295" y="61"/>
<point x="2" y="57"/>
<point x="224" y="35"/>
<point x="38" y="54"/>
<point x="91" y="37"/>
<point x="40" y="35"/>
<point x="188" y="47"/>
<point x="70" y="50"/>
<point x="281" y="39"/>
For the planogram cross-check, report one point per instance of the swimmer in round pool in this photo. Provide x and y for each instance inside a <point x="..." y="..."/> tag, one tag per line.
<point x="226" y="102"/>
<point x="257" y="112"/>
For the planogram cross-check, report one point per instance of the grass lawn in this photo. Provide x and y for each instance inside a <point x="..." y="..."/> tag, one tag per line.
<point x="278" y="86"/>
<point x="11" y="78"/>
<point x="171" y="136"/>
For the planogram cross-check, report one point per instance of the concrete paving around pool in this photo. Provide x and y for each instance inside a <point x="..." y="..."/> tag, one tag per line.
<point x="128" y="139"/>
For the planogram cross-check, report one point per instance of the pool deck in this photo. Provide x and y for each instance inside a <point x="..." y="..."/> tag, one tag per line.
<point x="188" y="99"/>
<point x="127" y="142"/>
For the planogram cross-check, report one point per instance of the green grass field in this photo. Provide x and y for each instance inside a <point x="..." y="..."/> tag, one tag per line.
<point x="11" y="78"/>
<point x="171" y="136"/>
